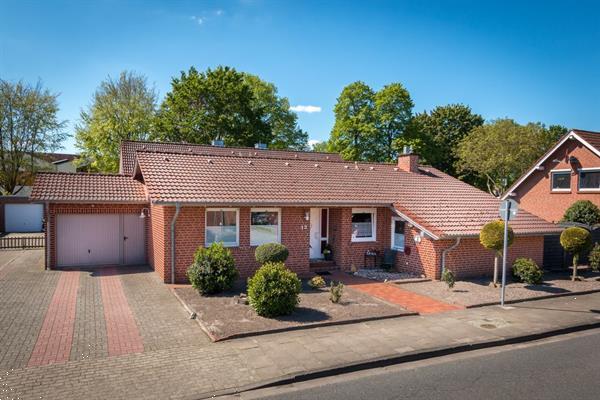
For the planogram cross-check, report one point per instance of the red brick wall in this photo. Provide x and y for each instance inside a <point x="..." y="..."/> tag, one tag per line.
<point x="424" y="258"/>
<point x="68" y="208"/>
<point x="190" y="235"/>
<point x="535" y="195"/>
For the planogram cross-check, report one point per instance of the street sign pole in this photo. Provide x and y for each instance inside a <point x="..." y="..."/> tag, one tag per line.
<point x="504" y="253"/>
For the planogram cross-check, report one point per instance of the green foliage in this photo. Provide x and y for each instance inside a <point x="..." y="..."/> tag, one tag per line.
<point x="29" y="125"/>
<point x="435" y="135"/>
<point x="594" y="258"/>
<point x="583" y="211"/>
<point x="274" y="290"/>
<point x="448" y="278"/>
<point x="526" y="270"/>
<point x="336" y="290"/>
<point x="271" y="252"/>
<point x="575" y="240"/>
<point x="367" y="123"/>
<point x="122" y="109"/>
<point x="316" y="282"/>
<point x="213" y="269"/>
<point x="500" y="151"/>
<point x="492" y="235"/>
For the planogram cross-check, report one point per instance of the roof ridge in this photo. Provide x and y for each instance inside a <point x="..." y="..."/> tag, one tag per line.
<point x="585" y="131"/>
<point x="254" y="157"/>
<point x="227" y="147"/>
<point x="81" y="173"/>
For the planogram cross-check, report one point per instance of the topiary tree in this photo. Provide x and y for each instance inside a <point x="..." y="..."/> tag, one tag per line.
<point x="575" y="240"/>
<point x="527" y="270"/>
<point x="274" y="290"/>
<point x="594" y="258"/>
<point x="271" y="252"/>
<point x="584" y="212"/>
<point x="213" y="269"/>
<point x="492" y="237"/>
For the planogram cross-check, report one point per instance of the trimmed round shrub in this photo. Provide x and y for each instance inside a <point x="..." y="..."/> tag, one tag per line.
<point x="492" y="235"/>
<point x="575" y="240"/>
<point x="213" y="270"/>
<point x="584" y="212"/>
<point x="271" y="252"/>
<point x="274" y="290"/>
<point x="526" y="270"/>
<point x="594" y="258"/>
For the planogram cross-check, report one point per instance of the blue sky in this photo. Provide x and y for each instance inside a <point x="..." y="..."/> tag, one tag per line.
<point x="532" y="61"/>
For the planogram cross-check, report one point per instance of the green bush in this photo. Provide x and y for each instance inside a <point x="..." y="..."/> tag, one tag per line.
<point x="316" y="282"/>
<point x="213" y="269"/>
<point x="492" y="235"/>
<point x="274" y="290"/>
<point x="271" y="253"/>
<point x="575" y="240"/>
<point x="594" y="258"/>
<point x="336" y="291"/>
<point x="526" y="270"/>
<point x="584" y="212"/>
<point x="449" y="278"/>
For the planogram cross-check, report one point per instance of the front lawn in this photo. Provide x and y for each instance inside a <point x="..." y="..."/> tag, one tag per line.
<point x="225" y="316"/>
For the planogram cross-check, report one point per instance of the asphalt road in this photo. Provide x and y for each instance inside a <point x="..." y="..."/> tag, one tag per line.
<point x="566" y="367"/>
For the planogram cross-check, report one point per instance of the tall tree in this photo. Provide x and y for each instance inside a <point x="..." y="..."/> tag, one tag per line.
<point x="29" y="125"/>
<point x="354" y="132"/>
<point x="499" y="152"/>
<point x="282" y="121"/>
<point x="216" y="104"/>
<point x="393" y="113"/>
<point x="436" y="134"/>
<point x="122" y="109"/>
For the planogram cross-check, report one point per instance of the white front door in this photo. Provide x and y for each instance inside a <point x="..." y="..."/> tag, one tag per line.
<point x="315" y="233"/>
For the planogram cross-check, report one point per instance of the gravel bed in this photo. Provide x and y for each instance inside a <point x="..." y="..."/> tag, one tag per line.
<point x="224" y="316"/>
<point x="383" y="275"/>
<point x="478" y="292"/>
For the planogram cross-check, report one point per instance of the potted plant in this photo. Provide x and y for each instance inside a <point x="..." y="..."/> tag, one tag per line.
<point x="327" y="252"/>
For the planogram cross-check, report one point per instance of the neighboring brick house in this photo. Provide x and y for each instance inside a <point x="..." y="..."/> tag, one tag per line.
<point x="191" y="195"/>
<point x="568" y="172"/>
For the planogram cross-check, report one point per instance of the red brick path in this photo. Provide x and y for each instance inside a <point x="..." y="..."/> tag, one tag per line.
<point x="394" y="294"/>
<point x="53" y="344"/>
<point x="122" y="333"/>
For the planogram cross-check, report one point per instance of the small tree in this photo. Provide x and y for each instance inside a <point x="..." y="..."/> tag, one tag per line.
<point x="492" y="237"/>
<point x="594" y="258"/>
<point x="575" y="240"/>
<point x="584" y="212"/>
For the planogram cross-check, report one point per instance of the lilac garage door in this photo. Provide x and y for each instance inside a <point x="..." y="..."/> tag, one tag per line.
<point x="99" y="239"/>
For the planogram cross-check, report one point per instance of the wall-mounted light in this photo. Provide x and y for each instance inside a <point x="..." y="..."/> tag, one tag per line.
<point x="144" y="213"/>
<point x="307" y="215"/>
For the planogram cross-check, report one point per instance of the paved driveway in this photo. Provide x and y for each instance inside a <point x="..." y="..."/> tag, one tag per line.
<point x="52" y="317"/>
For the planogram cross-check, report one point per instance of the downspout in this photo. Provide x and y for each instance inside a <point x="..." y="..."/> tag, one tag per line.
<point x="47" y="234"/>
<point x="445" y="251"/>
<point x="173" y="221"/>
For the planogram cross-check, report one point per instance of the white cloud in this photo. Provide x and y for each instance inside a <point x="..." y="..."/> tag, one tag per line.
<point x="199" y="20"/>
<point x="306" y="109"/>
<point x="312" y="142"/>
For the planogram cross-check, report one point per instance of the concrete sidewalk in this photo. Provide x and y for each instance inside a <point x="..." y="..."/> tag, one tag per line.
<point x="201" y="371"/>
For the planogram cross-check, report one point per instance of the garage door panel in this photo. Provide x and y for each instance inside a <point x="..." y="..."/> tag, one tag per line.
<point x="23" y="217"/>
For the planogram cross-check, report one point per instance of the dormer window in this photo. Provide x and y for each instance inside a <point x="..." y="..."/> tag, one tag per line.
<point x="561" y="181"/>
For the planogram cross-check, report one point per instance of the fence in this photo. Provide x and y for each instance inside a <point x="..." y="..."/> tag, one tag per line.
<point x="22" y="242"/>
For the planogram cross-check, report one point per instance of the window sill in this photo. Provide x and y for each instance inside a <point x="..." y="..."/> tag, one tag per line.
<point x="588" y="191"/>
<point x="364" y="240"/>
<point x="565" y="191"/>
<point x="224" y="244"/>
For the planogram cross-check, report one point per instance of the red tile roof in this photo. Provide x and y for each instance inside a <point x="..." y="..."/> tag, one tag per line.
<point x="128" y="149"/>
<point x="82" y="187"/>
<point x="593" y="138"/>
<point x="439" y="203"/>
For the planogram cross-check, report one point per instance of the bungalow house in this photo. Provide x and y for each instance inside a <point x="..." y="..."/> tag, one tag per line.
<point x="169" y="199"/>
<point x="568" y="172"/>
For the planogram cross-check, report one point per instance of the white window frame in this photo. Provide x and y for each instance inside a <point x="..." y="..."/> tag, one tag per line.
<point x="579" y="171"/>
<point x="237" y="226"/>
<point x="278" y="211"/>
<point x="559" y="171"/>
<point x="373" y="212"/>
<point x="392" y="235"/>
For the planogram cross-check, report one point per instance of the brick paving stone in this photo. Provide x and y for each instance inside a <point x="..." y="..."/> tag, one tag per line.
<point x="55" y="338"/>
<point x="122" y="333"/>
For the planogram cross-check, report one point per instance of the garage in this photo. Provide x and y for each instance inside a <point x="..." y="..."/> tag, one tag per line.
<point x="100" y="239"/>
<point x="23" y="217"/>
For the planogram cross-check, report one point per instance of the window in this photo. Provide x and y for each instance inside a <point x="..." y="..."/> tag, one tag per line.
<point x="589" y="179"/>
<point x="561" y="181"/>
<point x="264" y="226"/>
<point x="222" y="226"/>
<point x="398" y="234"/>
<point x="364" y="222"/>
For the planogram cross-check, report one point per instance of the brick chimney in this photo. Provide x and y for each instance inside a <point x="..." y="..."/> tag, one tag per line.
<point x="408" y="161"/>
